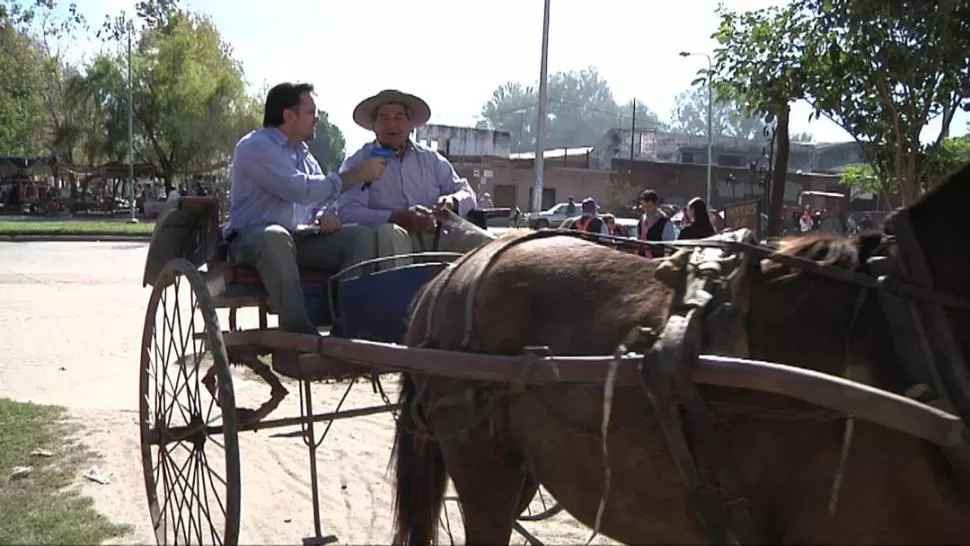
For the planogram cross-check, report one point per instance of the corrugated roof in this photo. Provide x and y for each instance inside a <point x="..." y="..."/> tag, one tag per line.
<point x="558" y="152"/>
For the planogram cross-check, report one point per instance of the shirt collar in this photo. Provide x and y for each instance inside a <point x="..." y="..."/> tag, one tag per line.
<point x="278" y="137"/>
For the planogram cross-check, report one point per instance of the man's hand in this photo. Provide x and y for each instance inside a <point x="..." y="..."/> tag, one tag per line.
<point x="368" y="171"/>
<point x="414" y="221"/>
<point x="328" y="224"/>
<point x="449" y="203"/>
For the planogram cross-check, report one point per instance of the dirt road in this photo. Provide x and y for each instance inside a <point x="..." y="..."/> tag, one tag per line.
<point x="71" y="317"/>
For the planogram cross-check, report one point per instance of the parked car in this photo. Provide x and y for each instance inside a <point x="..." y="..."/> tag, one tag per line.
<point x="553" y="216"/>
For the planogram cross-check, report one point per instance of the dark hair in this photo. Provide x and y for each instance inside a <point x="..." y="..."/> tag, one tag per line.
<point x="649" y="196"/>
<point x="701" y="215"/>
<point x="280" y="98"/>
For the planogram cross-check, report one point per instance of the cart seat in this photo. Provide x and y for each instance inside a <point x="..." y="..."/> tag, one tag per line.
<point x="244" y="285"/>
<point x="244" y="274"/>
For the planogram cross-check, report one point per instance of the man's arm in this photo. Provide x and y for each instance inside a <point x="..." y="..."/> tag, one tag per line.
<point x="453" y="186"/>
<point x="352" y="207"/>
<point x="270" y="168"/>
<point x="668" y="233"/>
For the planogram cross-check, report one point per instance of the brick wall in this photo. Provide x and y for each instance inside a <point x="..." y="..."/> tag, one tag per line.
<point x="677" y="183"/>
<point x="510" y="184"/>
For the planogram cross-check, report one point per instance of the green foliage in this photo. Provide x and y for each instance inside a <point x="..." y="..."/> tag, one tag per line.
<point x="953" y="153"/>
<point x="21" y="105"/>
<point x="727" y="118"/>
<point x="880" y="70"/>
<point x="756" y="62"/>
<point x="329" y="146"/>
<point x="189" y="96"/>
<point x="581" y="109"/>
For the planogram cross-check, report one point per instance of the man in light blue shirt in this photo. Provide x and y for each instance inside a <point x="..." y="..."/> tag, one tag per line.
<point x="417" y="181"/>
<point x="275" y="185"/>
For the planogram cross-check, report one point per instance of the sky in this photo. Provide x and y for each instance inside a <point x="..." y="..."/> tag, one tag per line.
<point x="454" y="53"/>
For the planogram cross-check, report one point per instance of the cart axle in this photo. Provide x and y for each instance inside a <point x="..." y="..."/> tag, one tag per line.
<point x="178" y="434"/>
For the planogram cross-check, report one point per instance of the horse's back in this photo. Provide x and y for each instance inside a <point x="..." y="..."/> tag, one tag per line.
<point x="546" y="289"/>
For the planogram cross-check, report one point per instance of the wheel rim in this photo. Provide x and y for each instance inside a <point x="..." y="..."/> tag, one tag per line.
<point x="190" y="451"/>
<point x="542" y="507"/>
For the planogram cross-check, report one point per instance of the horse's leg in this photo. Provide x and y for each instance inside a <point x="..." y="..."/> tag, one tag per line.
<point x="529" y="490"/>
<point x="491" y="481"/>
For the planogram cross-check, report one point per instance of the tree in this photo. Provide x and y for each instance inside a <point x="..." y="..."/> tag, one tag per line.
<point x="620" y="197"/>
<point x="512" y="108"/>
<point x="21" y="104"/>
<point x="882" y="71"/>
<point x="646" y="118"/>
<point x="802" y="137"/>
<point x="756" y="65"/>
<point x="99" y="100"/>
<point x="190" y="104"/>
<point x="953" y="154"/>
<point x="580" y="108"/>
<point x="727" y="119"/>
<point x="329" y="147"/>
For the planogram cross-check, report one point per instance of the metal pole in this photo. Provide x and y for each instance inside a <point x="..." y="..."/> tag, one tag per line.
<point x="633" y="128"/>
<point x="710" y="131"/>
<point x="131" y="145"/>
<point x="541" y="121"/>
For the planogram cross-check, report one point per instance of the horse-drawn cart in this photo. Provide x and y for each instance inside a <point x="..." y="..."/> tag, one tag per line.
<point x="186" y="391"/>
<point x="188" y="401"/>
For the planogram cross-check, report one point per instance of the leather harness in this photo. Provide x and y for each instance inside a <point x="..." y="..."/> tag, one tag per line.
<point x="710" y="299"/>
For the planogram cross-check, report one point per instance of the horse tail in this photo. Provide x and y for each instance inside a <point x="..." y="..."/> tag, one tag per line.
<point x="420" y="477"/>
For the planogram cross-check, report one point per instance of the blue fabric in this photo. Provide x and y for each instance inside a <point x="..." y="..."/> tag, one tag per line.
<point x="375" y="307"/>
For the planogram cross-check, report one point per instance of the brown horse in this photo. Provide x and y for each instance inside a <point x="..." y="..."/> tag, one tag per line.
<point x="578" y="298"/>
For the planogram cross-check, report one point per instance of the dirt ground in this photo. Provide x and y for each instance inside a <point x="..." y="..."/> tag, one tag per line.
<point x="71" y="319"/>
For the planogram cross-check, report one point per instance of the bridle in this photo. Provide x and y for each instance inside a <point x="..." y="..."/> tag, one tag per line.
<point x="896" y="271"/>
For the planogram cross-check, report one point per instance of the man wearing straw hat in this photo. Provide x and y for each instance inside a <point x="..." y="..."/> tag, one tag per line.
<point x="417" y="183"/>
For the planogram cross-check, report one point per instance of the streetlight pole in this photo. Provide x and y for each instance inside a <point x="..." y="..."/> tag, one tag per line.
<point x="541" y="122"/>
<point x="710" y="122"/>
<point x="131" y="145"/>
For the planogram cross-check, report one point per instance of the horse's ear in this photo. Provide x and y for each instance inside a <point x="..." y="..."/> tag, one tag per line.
<point x="671" y="269"/>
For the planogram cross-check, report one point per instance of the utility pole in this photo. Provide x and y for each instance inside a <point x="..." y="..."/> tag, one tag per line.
<point x="633" y="128"/>
<point x="541" y="122"/>
<point x="710" y="131"/>
<point x="133" y="219"/>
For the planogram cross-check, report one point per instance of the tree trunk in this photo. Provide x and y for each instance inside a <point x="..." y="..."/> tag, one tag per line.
<point x="779" y="173"/>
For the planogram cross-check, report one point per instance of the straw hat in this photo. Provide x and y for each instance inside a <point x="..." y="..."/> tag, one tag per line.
<point x="365" y="113"/>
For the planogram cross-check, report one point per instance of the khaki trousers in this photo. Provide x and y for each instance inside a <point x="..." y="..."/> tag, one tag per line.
<point x="393" y="240"/>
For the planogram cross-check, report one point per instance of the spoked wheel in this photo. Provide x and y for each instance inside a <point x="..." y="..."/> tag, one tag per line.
<point x="543" y="506"/>
<point x="189" y="443"/>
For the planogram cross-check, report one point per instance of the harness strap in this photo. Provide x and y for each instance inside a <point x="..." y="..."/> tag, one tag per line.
<point x="712" y="488"/>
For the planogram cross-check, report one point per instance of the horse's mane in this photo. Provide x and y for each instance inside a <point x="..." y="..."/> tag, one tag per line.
<point x="821" y="247"/>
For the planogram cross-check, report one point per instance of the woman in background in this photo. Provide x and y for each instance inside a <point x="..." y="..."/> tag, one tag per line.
<point x="700" y="221"/>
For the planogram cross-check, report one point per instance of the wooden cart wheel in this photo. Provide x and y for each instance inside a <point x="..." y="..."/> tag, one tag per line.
<point x="189" y="444"/>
